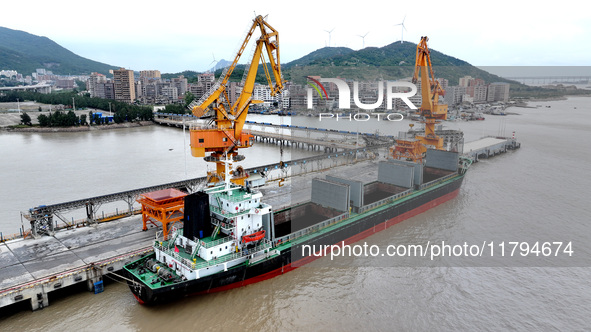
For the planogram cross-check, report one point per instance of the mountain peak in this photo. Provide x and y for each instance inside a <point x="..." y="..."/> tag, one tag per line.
<point x="25" y="52"/>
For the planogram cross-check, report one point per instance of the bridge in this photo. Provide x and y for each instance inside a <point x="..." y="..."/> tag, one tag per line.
<point x="41" y="88"/>
<point x="551" y="79"/>
<point x="302" y="137"/>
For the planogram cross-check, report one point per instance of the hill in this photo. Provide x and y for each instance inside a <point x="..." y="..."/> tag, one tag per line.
<point x="393" y="61"/>
<point x="25" y="52"/>
<point x="320" y="55"/>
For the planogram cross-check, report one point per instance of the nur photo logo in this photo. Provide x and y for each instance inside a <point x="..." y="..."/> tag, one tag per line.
<point x="344" y="93"/>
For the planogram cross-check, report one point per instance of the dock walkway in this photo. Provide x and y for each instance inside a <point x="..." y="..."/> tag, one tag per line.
<point x="489" y="146"/>
<point x="31" y="268"/>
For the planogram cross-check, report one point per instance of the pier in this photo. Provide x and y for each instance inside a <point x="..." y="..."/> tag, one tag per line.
<point x="31" y="269"/>
<point x="303" y="142"/>
<point x="315" y="139"/>
<point x="489" y="146"/>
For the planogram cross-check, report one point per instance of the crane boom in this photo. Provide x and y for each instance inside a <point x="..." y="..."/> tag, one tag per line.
<point x="226" y="134"/>
<point x="432" y="111"/>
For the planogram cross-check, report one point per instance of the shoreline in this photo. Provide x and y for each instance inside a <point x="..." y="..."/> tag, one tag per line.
<point x="79" y="128"/>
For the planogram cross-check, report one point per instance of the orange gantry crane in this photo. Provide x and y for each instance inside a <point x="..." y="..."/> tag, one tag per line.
<point x="225" y="135"/>
<point x="431" y="110"/>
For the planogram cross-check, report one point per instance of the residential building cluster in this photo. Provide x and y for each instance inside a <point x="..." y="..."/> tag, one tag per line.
<point x="475" y="90"/>
<point x="44" y="77"/>
<point x="469" y="90"/>
<point x="150" y="88"/>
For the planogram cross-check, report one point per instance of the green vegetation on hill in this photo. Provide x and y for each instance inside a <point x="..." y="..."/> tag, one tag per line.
<point x="24" y="52"/>
<point x="320" y="55"/>
<point x="393" y="61"/>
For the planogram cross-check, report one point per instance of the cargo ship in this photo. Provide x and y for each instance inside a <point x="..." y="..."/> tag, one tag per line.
<point x="231" y="237"/>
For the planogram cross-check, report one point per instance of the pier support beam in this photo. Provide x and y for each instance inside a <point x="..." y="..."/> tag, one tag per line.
<point x="40" y="301"/>
<point x="93" y="274"/>
<point x="90" y="212"/>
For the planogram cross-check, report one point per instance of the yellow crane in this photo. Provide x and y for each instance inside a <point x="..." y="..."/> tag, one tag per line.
<point x="431" y="110"/>
<point x="224" y="136"/>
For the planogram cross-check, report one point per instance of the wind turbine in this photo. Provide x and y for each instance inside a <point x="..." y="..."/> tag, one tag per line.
<point x="363" y="38"/>
<point x="214" y="62"/>
<point x="329" y="32"/>
<point x="402" y="29"/>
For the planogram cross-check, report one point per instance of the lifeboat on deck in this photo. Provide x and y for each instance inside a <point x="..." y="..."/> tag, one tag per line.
<point x="253" y="237"/>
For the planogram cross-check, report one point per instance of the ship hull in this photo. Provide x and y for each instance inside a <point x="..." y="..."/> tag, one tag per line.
<point x="290" y="257"/>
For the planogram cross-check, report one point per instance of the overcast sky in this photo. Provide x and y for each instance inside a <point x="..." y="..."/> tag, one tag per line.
<point x="182" y="35"/>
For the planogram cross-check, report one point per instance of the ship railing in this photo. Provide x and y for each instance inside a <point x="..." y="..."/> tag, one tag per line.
<point x="174" y="254"/>
<point x="311" y="229"/>
<point x="238" y="195"/>
<point x="201" y="126"/>
<point x="437" y="181"/>
<point x="216" y="242"/>
<point x="172" y="233"/>
<point x="224" y="212"/>
<point x="223" y="225"/>
<point x="264" y="245"/>
<point x="386" y="200"/>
